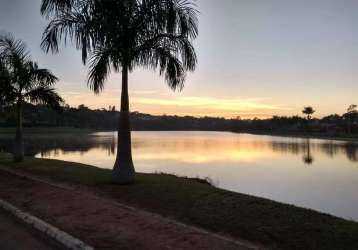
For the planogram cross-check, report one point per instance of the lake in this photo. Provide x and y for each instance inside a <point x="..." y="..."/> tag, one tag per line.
<point x="312" y="173"/>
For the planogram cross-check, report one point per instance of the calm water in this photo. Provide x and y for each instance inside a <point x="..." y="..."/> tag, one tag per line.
<point x="317" y="174"/>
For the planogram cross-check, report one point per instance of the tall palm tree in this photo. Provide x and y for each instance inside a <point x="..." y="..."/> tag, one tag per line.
<point x="122" y="36"/>
<point x="24" y="81"/>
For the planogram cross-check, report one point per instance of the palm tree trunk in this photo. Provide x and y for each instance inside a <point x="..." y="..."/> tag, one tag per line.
<point x="19" y="143"/>
<point x="123" y="170"/>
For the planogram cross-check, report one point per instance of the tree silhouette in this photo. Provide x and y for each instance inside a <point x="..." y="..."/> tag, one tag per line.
<point x="23" y="82"/>
<point x="122" y="36"/>
<point x="352" y="109"/>
<point x="350" y="116"/>
<point x="308" y="111"/>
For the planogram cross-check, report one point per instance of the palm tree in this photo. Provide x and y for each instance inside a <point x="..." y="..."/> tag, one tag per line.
<point x="309" y="111"/>
<point x="24" y="81"/>
<point x="122" y="36"/>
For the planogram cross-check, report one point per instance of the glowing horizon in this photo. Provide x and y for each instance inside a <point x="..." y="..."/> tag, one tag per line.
<point x="195" y="106"/>
<point x="179" y="105"/>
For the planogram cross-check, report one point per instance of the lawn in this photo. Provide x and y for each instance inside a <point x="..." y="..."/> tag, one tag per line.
<point x="273" y="224"/>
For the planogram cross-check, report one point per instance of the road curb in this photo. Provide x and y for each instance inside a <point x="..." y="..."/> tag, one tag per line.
<point x="62" y="237"/>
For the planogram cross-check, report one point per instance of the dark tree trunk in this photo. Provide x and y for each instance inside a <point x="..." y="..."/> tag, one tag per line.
<point x="123" y="170"/>
<point x="19" y="143"/>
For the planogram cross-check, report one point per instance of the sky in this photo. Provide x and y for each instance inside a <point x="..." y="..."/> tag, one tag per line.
<point x="256" y="58"/>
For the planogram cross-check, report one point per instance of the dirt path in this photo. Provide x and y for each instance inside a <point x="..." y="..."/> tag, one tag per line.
<point x="16" y="236"/>
<point x="102" y="223"/>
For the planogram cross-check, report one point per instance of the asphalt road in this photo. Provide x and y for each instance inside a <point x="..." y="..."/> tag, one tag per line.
<point x="16" y="236"/>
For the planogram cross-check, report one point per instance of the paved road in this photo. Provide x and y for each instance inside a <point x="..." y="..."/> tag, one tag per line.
<point x="15" y="236"/>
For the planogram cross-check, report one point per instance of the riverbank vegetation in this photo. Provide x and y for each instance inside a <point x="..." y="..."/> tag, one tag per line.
<point x="333" y="126"/>
<point x="273" y="224"/>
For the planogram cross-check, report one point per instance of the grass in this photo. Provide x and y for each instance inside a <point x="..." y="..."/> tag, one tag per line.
<point x="273" y="224"/>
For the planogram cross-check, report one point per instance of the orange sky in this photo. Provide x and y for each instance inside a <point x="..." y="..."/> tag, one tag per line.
<point x="155" y="103"/>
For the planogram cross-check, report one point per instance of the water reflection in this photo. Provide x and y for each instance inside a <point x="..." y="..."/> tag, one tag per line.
<point x="189" y="148"/>
<point x="266" y="166"/>
<point x="46" y="146"/>
<point x="308" y="147"/>
<point x="307" y="157"/>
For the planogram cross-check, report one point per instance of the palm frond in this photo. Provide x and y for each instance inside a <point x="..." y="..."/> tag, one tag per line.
<point x="71" y="26"/>
<point x="50" y="7"/>
<point x="166" y="42"/>
<point x="44" y="95"/>
<point x="13" y="52"/>
<point x="10" y="47"/>
<point x="169" y="65"/>
<point x="21" y="78"/>
<point x="187" y="18"/>
<point x="14" y="55"/>
<point x="99" y="69"/>
<point x="155" y="34"/>
<point x="40" y="76"/>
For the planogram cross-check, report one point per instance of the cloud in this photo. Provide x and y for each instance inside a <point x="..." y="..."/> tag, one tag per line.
<point x="233" y="104"/>
<point x="178" y="105"/>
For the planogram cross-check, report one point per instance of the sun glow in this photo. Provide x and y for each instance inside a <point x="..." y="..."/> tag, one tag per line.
<point x="188" y="105"/>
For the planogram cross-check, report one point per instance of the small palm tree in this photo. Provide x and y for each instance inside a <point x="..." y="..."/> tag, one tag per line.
<point x="23" y="81"/>
<point x="122" y="36"/>
<point x="309" y="111"/>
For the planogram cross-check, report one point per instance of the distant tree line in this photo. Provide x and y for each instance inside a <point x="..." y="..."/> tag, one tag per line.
<point x="106" y="119"/>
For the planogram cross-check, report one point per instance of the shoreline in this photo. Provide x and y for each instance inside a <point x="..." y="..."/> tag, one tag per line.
<point x="303" y="136"/>
<point x="272" y="224"/>
<point x="69" y="130"/>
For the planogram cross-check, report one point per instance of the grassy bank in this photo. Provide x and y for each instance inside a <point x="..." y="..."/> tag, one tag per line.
<point x="273" y="224"/>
